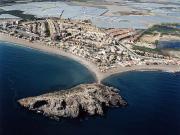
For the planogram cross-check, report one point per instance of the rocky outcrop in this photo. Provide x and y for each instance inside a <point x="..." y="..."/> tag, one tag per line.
<point x="84" y="99"/>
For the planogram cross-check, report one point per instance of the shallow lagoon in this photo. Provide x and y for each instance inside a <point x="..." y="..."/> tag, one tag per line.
<point x="153" y="97"/>
<point x="169" y="44"/>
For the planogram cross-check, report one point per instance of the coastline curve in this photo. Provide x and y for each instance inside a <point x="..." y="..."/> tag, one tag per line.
<point x="98" y="75"/>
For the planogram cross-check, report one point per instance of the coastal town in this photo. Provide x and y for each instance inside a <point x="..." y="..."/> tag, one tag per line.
<point x="107" y="48"/>
<point x="89" y="67"/>
<point x="107" y="38"/>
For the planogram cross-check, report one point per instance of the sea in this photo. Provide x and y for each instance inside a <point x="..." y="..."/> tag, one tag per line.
<point x="153" y="97"/>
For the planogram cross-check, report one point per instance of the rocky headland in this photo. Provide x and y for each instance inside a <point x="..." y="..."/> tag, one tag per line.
<point x="84" y="99"/>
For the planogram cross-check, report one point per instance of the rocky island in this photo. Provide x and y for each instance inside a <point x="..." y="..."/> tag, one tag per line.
<point x="84" y="99"/>
<point x="105" y="51"/>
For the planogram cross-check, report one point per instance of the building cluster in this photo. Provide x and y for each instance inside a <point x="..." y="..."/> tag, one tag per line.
<point x="85" y="40"/>
<point x="21" y="30"/>
<point x="125" y="35"/>
<point x="40" y="28"/>
<point x="100" y="46"/>
<point x="149" y="54"/>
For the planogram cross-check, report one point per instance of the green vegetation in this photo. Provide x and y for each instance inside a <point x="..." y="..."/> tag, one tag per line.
<point x="170" y="24"/>
<point x="146" y="49"/>
<point x="164" y="29"/>
<point x="176" y="50"/>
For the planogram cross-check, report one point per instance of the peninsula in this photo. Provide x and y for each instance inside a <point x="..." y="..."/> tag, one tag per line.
<point x="103" y="51"/>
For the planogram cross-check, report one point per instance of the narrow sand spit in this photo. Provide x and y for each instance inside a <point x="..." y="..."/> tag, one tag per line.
<point x="89" y="65"/>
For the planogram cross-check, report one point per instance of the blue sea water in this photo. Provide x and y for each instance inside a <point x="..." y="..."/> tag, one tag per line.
<point x="153" y="97"/>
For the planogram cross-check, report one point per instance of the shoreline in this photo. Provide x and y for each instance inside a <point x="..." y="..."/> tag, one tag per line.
<point x="99" y="76"/>
<point x="142" y="68"/>
<point x="50" y="50"/>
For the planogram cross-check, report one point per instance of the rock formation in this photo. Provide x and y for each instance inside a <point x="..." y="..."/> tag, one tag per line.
<point x="88" y="99"/>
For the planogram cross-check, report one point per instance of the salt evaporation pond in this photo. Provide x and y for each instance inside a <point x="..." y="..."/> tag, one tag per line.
<point x="95" y="14"/>
<point x="130" y="21"/>
<point x="47" y="9"/>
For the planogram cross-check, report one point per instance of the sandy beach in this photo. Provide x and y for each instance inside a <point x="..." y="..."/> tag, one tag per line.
<point x="89" y="65"/>
<point x="41" y="47"/>
<point x="164" y="68"/>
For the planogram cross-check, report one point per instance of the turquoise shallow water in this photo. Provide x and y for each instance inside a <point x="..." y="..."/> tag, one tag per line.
<point x="153" y="97"/>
